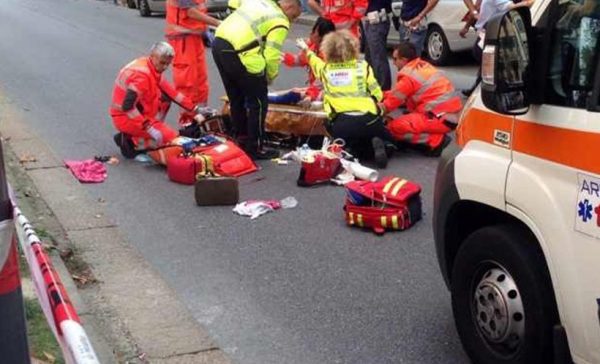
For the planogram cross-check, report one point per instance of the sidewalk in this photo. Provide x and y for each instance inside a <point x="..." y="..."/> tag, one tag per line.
<point x="130" y="314"/>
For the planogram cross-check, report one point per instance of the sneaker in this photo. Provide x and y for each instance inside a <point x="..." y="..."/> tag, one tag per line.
<point x="124" y="142"/>
<point x="379" y="152"/>
<point x="437" y="151"/>
<point x="264" y="154"/>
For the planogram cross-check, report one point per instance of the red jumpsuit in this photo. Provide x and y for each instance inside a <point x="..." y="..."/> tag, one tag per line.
<point x="301" y="60"/>
<point x="431" y="102"/>
<point x="345" y="14"/>
<point x="189" y="65"/>
<point x="140" y="101"/>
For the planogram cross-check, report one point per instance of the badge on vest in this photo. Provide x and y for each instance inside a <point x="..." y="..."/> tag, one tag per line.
<point x="339" y="78"/>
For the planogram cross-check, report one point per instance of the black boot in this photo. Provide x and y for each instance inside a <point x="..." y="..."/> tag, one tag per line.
<point x="125" y="143"/>
<point x="379" y="152"/>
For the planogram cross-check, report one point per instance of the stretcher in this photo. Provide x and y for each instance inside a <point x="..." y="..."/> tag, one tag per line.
<point x="290" y="120"/>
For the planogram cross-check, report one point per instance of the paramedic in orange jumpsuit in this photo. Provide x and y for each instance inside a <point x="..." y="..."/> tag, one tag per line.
<point x="140" y="101"/>
<point x="345" y="14"/>
<point x="429" y="98"/>
<point x="186" y="21"/>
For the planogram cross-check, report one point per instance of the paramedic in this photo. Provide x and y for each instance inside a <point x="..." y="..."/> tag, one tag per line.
<point x="351" y="93"/>
<point x="247" y="52"/>
<point x="141" y="98"/>
<point x="186" y="21"/>
<point x="429" y="98"/>
<point x="345" y="14"/>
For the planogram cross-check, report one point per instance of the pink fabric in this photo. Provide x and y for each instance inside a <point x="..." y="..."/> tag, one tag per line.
<point x="87" y="171"/>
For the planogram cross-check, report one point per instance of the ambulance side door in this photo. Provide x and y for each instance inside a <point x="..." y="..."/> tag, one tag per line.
<point x="554" y="179"/>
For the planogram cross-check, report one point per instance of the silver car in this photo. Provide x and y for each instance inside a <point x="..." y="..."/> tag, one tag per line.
<point x="147" y="7"/>
<point x="444" y="24"/>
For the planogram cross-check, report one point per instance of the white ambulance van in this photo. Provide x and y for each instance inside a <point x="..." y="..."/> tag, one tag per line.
<point x="517" y="197"/>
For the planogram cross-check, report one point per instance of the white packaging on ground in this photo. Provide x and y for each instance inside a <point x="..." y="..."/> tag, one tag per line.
<point x="256" y="208"/>
<point x="359" y="171"/>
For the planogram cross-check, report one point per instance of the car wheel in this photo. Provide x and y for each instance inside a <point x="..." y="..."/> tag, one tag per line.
<point x="131" y="4"/>
<point x="502" y="297"/>
<point x="436" y="46"/>
<point x="144" y="8"/>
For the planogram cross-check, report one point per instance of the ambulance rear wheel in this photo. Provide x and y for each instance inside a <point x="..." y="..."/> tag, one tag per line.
<point x="502" y="297"/>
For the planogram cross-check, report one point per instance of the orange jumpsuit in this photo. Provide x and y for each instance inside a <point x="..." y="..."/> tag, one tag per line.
<point x="431" y="101"/>
<point x="189" y="65"/>
<point x="345" y="14"/>
<point x="140" y="101"/>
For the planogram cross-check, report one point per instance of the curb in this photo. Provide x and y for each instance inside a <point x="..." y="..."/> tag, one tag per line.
<point x="131" y="307"/>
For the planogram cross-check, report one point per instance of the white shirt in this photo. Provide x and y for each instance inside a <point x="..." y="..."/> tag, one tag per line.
<point x="489" y="9"/>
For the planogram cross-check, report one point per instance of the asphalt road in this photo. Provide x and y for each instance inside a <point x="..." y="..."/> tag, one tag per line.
<point x="295" y="286"/>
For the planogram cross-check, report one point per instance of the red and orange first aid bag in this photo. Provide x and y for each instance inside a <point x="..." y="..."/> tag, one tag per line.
<point x="393" y="203"/>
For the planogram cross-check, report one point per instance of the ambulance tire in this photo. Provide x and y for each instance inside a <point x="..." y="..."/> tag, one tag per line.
<point x="500" y="272"/>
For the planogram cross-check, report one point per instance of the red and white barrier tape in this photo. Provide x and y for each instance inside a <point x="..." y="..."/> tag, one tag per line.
<point x="60" y="313"/>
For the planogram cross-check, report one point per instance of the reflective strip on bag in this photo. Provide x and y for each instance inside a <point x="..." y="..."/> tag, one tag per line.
<point x="359" y="220"/>
<point x="395" y="222"/>
<point x="388" y="185"/>
<point x="398" y="186"/>
<point x="384" y="221"/>
<point x="351" y="218"/>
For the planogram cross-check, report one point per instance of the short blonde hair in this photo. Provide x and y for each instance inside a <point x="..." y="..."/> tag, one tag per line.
<point x="339" y="46"/>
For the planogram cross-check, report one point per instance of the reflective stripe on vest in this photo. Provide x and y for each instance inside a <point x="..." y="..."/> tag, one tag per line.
<point x="255" y="23"/>
<point x="426" y="84"/>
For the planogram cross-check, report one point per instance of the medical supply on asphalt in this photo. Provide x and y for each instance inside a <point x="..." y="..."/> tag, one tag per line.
<point x="393" y="203"/>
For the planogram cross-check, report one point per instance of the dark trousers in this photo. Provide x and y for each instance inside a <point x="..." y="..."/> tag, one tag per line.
<point x="247" y="94"/>
<point x="357" y="131"/>
<point x="376" y="52"/>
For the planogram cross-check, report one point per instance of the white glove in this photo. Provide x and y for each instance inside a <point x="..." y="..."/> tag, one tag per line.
<point x="300" y="43"/>
<point x="199" y="118"/>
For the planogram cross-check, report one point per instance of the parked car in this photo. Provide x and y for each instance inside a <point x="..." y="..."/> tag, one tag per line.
<point x="445" y="22"/>
<point x="218" y="8"/>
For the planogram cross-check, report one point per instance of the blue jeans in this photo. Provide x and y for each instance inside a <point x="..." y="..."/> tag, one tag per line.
<point x="416" y="37"/>
<point x="376" y="52"/>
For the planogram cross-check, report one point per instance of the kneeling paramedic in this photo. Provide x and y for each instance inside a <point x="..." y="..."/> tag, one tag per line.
<point x="247" y="52"/>
<point x="431" y="101"/>
<point x="141" y="99"/>
<point x="351" y="94"/>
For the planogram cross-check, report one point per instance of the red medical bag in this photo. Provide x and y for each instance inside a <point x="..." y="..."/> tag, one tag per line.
<point x="320" y="169"/>
<point x="183" y="168"/>
<point x="228" y="159"/>
<point x="392" y="203"/>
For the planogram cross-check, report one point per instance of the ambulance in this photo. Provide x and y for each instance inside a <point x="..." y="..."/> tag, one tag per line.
<point x="517" y="197"/>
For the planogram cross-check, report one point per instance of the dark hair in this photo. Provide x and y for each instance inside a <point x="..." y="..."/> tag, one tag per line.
<point x="323" y="26"/>
<point x="406" y="50"/>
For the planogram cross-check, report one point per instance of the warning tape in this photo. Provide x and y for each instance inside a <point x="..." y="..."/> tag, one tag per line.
<point x="58" y="309"/>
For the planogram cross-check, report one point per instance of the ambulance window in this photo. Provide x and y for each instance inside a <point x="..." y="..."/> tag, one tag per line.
<point x="575" y="53"/>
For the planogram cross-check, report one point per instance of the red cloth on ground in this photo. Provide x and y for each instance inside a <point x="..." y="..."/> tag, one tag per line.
<point x="87" y="171"/>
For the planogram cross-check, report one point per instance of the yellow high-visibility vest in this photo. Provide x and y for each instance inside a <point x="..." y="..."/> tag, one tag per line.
<point x="347" y="87"/>
<point x="257" y="30"/>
